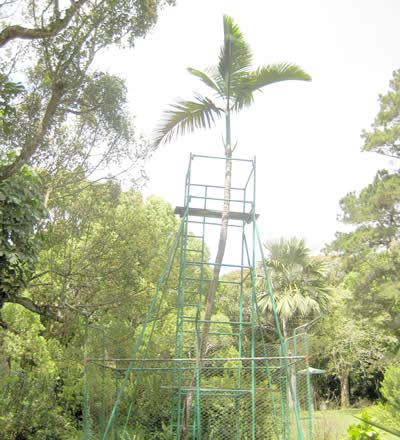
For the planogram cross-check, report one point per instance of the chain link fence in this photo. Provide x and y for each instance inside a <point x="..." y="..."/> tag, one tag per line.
<point x="264" y="396"/>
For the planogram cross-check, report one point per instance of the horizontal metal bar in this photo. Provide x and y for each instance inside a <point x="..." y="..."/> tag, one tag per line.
<point x="192" y="263"/>
<point x="183" y="369"/>
<point x="223" y="322"/>
<point x="219" y="199"/>
<point x="222" y="158"/>
<point x="212" y="333"/>
<point x="229" y="282"/>
<point x="209" y="389"/>
<point x="262" y="358"/>
<point x="216" y="186"/>
<point x="214" y="213"/>
<point x="219" y="281"/>
<point x="196" y="279"/>
<point x="215" y="224"/>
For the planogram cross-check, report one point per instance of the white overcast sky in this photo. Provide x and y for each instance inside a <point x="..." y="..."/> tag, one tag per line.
<point x="306" y="136"/>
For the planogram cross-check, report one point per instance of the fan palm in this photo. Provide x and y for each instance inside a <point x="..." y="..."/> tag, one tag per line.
<point x="299" y="288"/>
<point x="232" y="83"/>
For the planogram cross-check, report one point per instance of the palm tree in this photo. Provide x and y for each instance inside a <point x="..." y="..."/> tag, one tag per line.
<point x="299" y="287"/>
<point x="233" y="84"/>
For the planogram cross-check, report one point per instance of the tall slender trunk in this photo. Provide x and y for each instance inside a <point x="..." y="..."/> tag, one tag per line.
<point x="220" y="255"/>
<point x="284" y="328"/>
<point x="344" y="388"/>
<point x="187" y="407"/>
<point x="292" y="373"/>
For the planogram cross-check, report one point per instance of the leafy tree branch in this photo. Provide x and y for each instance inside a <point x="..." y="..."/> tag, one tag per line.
<point x="56" y="25"/>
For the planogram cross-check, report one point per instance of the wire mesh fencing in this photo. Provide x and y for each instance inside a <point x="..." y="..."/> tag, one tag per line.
<point x="261" y="397"/>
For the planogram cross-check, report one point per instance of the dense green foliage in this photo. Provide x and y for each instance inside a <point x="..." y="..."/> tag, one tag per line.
<point x="65" y="118"/>
<point x="391" y="392"/>
<point x="37" y="398"/>
<point x="102" y="254"/>
<point x="362" y="431"/>
<point x="21" y="210"/>
<point x="384" y="415"/>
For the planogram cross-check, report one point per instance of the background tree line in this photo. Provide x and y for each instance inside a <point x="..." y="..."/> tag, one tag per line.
<point x="358" y="340"/>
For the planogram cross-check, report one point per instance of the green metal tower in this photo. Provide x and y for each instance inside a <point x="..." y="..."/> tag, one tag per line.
<point x="248" y="384"/>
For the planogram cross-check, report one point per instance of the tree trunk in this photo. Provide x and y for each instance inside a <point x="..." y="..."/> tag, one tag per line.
<point x="344" y="389"/>
<point x="284" y="328"/>
<point x="220" y="255"/>
<point x="187" y="407"/>
<point x="29" y="149"/>
<point x="292" y="386"/>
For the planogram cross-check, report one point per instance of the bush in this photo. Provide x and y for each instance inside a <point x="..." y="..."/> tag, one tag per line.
<point x="28" y="410"/>
<point x="391" y="389"/>
<point x="386" y="416"/>
<point x="362" y="430"/>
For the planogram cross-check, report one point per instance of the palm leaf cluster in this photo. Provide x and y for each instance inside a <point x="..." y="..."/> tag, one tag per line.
<point x="298" y="282"/>
<point x="232" y="83"/>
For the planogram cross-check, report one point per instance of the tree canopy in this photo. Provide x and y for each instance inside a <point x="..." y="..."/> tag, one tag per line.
<point x="384" y="138"/>
<point x="63" y="120"/>
<point x="61" y="87"/>
<point x="368" y="317"/>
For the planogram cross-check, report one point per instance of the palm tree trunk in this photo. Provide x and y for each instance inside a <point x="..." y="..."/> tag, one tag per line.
<point x="220" y="255"/>
<point x="284" y="329"/>
<point x="187" y="407"/>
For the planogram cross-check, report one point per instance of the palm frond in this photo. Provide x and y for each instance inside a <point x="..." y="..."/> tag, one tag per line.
<point x="285" y="307"/>
<point x="273" y="73"/>
<point x="186" y="116"/>
<point x="263" y="76"/>
<point x="299" y="283"/>
<point x="206" y="79"/>
<point x="235" y="55"/>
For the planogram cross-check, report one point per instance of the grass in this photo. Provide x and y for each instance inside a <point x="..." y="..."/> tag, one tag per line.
<point x="333" y="424"/>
